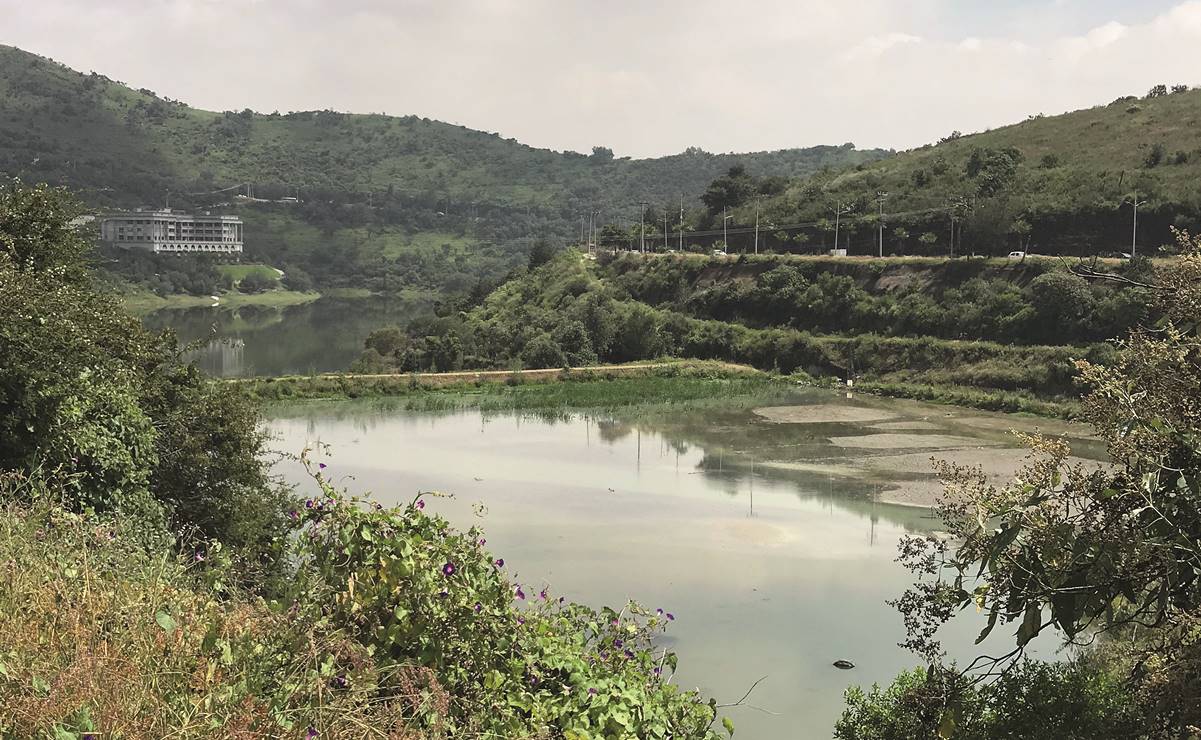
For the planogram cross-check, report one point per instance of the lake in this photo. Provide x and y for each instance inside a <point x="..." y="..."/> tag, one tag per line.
<point x="756" y="527"/>
<point x="323" y="336"/>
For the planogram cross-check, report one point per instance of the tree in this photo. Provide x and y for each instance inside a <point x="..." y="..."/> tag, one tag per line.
<point x="601" y="154"/>
<point x="114" y="414"/>
<point x="1157" y="91"/>
<point x="1176" y="89"/>
<point x="543" y="352"/>
<point x="1094" y="552"/>
<point x="1155" y="156"/>
<point x="540" y="253"/>
<point x="729" y="191"/>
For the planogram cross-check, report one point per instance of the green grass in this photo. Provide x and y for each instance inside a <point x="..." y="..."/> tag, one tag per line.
<point x="238" y="272"/>
<point x="141" y="303"/>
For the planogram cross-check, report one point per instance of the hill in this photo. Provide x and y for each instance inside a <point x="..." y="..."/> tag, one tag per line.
<point x="1051" y="184"/>
<point x="370" y="190"/>
<point x="991" y="333"/>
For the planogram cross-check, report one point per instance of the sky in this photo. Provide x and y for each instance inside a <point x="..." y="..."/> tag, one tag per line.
<point x="644" y="77"/>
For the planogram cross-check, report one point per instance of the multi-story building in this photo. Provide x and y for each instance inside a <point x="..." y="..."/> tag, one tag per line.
<point x="170" y="232"/>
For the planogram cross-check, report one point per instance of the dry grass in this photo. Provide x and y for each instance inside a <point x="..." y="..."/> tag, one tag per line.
<point x="100" y="639"/>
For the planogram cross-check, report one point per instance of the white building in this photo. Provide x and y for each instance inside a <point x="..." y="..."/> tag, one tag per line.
<point x="171" y="232"/>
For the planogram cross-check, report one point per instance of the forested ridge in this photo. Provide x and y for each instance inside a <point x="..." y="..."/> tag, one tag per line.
<point x="381" y="202"/>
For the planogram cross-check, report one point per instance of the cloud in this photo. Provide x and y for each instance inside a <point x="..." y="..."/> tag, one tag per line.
<point x="645" y="78"/>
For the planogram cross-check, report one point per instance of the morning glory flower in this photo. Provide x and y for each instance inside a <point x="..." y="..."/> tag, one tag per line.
<point x="617" y="643"/>
<point x="478" y="607"/>
<point x="520" y="594"/>
<point x="499" y="562"/>
<point x="659" y="612"/>
<point x="592" y="692"/>
<point x="311" y="734"/>
<point x="629" y="654"/>
<point x="448" y="569"/>
<point x="543" y="595"/>
<point x="321" y="466"/>
<point x="671" y="617"/>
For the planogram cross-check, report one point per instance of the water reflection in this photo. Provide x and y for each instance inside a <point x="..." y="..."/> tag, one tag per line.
<point x="324" y="336"/>
<point x="764" y="538"/>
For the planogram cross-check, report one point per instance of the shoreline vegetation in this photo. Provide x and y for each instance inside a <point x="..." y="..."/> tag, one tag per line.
<point x="141" y="303"/>
<point x="664" y="381"/>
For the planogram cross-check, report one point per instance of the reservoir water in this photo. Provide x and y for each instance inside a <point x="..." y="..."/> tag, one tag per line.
<point x="762" y="530"/>
<point x="319" y="337"/>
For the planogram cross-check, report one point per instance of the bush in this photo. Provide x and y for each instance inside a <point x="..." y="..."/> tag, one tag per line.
<point x="1066" y="701"/>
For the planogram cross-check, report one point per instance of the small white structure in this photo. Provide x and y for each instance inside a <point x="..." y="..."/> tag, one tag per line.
<point x="165" y="231"/>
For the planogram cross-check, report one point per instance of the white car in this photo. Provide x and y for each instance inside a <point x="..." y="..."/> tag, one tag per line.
<point x="1017" y="255"/>
<point x="719" y="253"/>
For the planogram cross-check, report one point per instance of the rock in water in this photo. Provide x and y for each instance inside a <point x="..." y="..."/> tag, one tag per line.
<point x="845" y="665"/>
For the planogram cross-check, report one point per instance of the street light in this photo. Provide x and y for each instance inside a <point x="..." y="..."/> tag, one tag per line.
<point x="1134" y="201"/>
<point x="725" y="231"/>
<point x="839" y="209"/>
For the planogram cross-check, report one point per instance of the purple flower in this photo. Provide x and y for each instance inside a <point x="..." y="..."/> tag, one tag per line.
<point x="604" y="655"/>
<point x="629" y="654"/>
<point x="658" y="671"/>
<point x="293" y="515"/>
<point x="671" y="617"/>
<point x="533" y="680"/>
<point x="617" y="643"/>
<point x="199" y="556"/>
<point x="520" y="594"/>
<point x="339" y="682"/>
<point x="562" y="599"/>
<point x="448" y="569"/>
<point x="320" y="466"/>
<point x="312" y="733"/>
<point x="420" y="504"/>
<point x="592" y="692"/>
<point x="308" y="503"/>
<point x="499" y="562"/>
<point x="444" y="593"/>
<point x="520" y="621"/>
<point x="615" y="621"/>
<point x="482" y="542"/>
<point x="659" y="612"/>
<point x="478" y="607"/>
<point x="543" y="595"/>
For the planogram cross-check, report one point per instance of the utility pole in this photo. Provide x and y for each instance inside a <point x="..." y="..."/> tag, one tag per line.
<point x="758" y="201"/>
<point x="665" y="244"/>
<point x="681" y="223"/>
<point x="880" y="198"/>
<point x="1134" y="201"/>
<point x="725" y="231"/>
<point x="839" y="209"/>
<point x="642" y="221"/>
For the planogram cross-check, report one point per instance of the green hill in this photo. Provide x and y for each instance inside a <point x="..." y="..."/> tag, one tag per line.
<point x="368" y="187"/>
<point x="1056" y="184"/>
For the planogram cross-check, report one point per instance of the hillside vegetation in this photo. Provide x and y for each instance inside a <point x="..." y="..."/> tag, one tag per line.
<point x="381" y="200"/>
<point x="1050" y="184"/>
<point x="983" y="333"/>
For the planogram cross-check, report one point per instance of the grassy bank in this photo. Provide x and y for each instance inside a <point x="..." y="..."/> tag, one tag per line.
<point x="696" y="383"/>
<point x="600" y="387"/>
<point x="142" y="303"/>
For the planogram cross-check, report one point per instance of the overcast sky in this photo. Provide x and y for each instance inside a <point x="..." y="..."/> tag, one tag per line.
<point x="644" y="77"/>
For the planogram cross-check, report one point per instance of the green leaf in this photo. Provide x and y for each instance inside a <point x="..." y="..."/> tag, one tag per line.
<point x="726" y="723"/>
<point x="1030" y="624"/>
<point x="166" y="621"/>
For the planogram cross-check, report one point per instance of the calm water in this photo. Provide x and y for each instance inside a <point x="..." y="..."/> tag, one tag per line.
<point x="759" y="535"/>
<point x="324" y="336"/>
